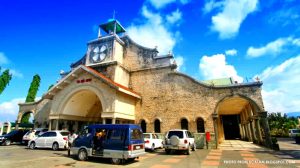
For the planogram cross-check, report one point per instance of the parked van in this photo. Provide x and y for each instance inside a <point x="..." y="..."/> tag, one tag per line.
<point x="116" y="141"/>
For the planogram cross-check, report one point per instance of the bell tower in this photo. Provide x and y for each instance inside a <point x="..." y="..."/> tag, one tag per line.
<point x="105" y="54"/>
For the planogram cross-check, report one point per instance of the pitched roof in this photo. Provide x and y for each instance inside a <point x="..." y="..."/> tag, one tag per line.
<point x="62" y="83"/>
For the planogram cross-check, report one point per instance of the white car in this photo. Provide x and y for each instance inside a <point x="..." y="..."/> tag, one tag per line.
<point x="178" y="139"/>
<point x="33" y="134"/>
<point x="293" y="132"/>
<point x="152" y="141"/>
<point x="51" y="139"/>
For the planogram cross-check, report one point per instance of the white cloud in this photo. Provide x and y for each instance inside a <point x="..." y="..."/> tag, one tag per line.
<point x="152" y="33"/>
<point x="11" y="107"/>
<point x="231" y="52"/>
<point x="281" y="86"/>
<point x="273" y="48"/>
<point x="232" y="13"/>
<point x="16" y="73"/>
<point x="180" y="61"/>
<point x="212" y="67"/>
<point x="3" y="59"/>
<point x="158" y="4"/>
<point x="174" y="17"/>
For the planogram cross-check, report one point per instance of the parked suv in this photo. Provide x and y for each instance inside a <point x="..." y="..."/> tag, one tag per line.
<point x="178" y="139"/>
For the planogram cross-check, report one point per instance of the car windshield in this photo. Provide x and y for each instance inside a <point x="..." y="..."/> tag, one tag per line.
<point x="136" y="134"/>
<point x="64" y="133"/>
<point x="176" y="133"/>
<point x="146" y="135"/>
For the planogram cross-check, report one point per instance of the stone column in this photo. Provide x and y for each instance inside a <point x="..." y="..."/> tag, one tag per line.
<point x="215" y="117"/>
<point x="17" y="125"/>
<point x="252" y="130"/>
<point x="258" y="133"/>
<point x="265" y="125"/>
<point x="103" y="121"/>
<point x="50" y="125"/>
<point x="56" y="124"/>
<point x="113" y="121"/>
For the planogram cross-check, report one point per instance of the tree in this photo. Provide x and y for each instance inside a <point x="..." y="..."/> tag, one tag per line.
<point x="280" y="125"/>
<point x="4" y="80"/>
<point x="33" y="89"/>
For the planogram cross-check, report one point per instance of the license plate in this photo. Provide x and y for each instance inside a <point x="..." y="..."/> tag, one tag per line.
<point x="137" y="147"/>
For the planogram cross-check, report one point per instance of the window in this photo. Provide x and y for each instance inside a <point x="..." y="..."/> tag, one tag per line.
<point x="176" y="133"/>
<point x="52" y="134"/>
<point x="190" y="135"/>
<point x="64" y="133"/>
<point x="115" y="134"/>
<point x="147" y="136"/>
<point x="157" y="126"/>
<point x="46" y="134"/>
<point x="200" y="125"/>
<point x="184" y="124"/>
<point x="136" y="134"/>
<point x="144" y="126"/>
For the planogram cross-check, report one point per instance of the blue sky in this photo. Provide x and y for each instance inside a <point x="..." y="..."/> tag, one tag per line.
<point x="210" y="39"/>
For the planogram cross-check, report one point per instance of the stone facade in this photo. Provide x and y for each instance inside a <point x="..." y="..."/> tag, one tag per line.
<point x="133" y="84"/>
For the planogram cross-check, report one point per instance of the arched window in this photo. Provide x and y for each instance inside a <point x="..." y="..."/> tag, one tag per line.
<point x="144" y="126"/>
<point x="157" y="126"/>
<point x="200" y="125"/>
<point x="184" y="124"/>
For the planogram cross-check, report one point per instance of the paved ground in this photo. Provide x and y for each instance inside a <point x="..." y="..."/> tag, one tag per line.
<point x="231" y="154"/>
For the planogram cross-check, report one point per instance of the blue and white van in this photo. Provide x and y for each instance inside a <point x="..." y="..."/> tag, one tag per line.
<point x="116" y="141"/>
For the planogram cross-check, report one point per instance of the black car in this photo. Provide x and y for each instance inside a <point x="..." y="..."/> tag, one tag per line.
<point x="13" y="136"/>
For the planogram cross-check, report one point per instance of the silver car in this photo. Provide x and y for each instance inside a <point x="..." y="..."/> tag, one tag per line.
<point x="51" y="139"/>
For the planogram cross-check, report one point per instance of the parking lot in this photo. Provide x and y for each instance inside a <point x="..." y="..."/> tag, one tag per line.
<point x="20" y="156"/>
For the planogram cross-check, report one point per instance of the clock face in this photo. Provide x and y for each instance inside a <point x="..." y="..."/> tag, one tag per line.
<point x="98" y="53"/>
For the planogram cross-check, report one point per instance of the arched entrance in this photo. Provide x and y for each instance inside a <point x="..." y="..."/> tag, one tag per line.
<point x="27" y="117"/>
<point x="81" y="108"/>
<point x="237" y="118"/>
<point x="184" y="124"/>
<point x="157" y="126"/>
<point x="144" y="126"/>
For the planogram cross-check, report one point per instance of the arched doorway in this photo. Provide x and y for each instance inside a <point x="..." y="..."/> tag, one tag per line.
<point x="80" y="109"/>
<point x="157" y="126"/>
<point x="144" y="126"/>
<point x="27" y="117"/>
<point x="200" y="125"/>
<point x="184" y="124"/>
<point x="237" y="119"/>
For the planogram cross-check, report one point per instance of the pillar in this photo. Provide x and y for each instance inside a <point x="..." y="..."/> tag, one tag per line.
<point x="215" y="117"/>
<point x="258" y="133"/>
<point x="252" y="130"/>
<point x="113" y="121"/>
<point x="103" y="120"/>
<point x="56" y="124"/>
<point x="50" y="125"/>
<point x="265" y="125"/>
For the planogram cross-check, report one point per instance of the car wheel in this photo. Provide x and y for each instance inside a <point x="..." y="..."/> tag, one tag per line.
<point x="82" y="155"/>
<point x="168" y="151"/>
<point x="7" y="142"/>
<point x="32" y="145"/>
<point x="152" y="147"/>
<point x="55" y="146"/>
<point x="188" y="151"/>
<point x="116" y="161"/>
<point x="194" y="147"/>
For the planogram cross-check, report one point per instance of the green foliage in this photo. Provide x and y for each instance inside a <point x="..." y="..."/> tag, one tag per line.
<point x="4" y="80"/>
<point x="25" y="118"/>
<point x="34" y="87"/>
<point x="280" y="125"/>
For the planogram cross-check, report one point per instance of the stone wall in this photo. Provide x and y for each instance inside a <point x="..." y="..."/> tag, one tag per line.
<point x="171" y="96"/>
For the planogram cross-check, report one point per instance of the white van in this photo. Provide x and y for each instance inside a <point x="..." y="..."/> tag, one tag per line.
<point x="293" y="132"/>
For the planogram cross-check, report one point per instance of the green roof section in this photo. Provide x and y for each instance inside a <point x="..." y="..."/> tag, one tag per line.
<point x="219" y="82"/>
<point x="112" y="26"/>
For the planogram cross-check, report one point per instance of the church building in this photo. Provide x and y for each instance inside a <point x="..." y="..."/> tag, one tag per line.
<point x="118" y="81"/>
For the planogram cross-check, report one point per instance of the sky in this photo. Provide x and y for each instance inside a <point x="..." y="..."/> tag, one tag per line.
<point x="242" y="39"/>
